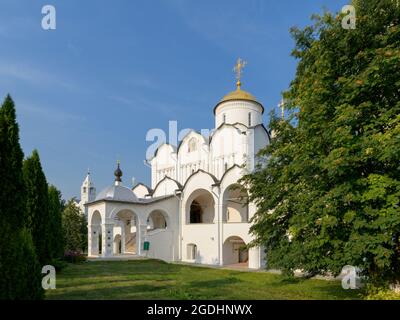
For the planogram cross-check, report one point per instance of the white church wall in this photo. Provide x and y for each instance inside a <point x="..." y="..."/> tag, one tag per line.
<point x="193" y="154"/>
<point x="160" y="245"/>
<point x="256" y="258"/>
<point x="164" y="243"/>
<point x="227" y="149"/>
<point x="237" y="229"/>
<point x="240" y="230"/>
<point x="203" y="235"/>
<point x="164" y="164"/>
<point x="261" y="139"/>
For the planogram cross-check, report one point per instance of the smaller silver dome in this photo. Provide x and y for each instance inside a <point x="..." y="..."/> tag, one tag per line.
<point x="117" y="193"/>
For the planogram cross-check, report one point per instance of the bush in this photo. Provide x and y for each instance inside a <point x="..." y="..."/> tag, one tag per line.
<point x="20" y="272"/>
<point x="381" y="293"/>
<point x="74" y="256"/>
<point x="28" y="277"/>
<point x="58" y="264"/>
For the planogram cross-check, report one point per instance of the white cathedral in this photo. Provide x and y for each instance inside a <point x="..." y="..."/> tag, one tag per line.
<point x="193" y="212"/>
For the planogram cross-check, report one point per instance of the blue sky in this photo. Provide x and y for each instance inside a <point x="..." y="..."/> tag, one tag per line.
<point x="88" y="92"/>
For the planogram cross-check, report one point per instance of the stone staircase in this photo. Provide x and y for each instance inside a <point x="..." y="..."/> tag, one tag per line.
<point x="130" y="245"/>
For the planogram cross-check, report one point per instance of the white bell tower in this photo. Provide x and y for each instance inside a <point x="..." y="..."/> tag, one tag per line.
<point x="88" y="192"/>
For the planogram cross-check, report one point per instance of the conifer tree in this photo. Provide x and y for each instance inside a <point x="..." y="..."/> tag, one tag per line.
<point x="328" y="187"/>
<point x="55" y="213"/>
<point x="20" y="276"/>
<point x="12" y="199"/>
<point x="37" y="207"/>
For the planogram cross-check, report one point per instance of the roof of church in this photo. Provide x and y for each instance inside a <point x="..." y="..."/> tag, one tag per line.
<point x="239" y="94"/>
<point x="137" y="201"/>
<point x="117" y="193"/>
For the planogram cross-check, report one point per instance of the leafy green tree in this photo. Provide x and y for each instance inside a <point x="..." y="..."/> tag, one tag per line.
<point x="20" y="276"/>
<point x="37" y="207"/>
<point x="328" y="185"/>
<point x="75" y="227"/>
<point x="56" y="205"/>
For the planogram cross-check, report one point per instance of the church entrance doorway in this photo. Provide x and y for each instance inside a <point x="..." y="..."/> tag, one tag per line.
<point x="95" y="237"/>
<point x="235" y="252"/>
<point x="127" y="220"/>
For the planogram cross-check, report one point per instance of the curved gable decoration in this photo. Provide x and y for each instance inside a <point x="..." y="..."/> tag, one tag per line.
<point x="234" y="125"/>
<point x="163" y="180"/>
<point x="215" y="180"/>
<point x="227" y="125"/>
<point x="141" y="184"/>
<point x="173" y="149"/>
<point x="229" y="170"/>
<point x="141" y="190"/>
<point x="188" y="137"/>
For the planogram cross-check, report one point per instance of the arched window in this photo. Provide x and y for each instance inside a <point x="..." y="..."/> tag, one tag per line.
<point x="192" y="145"/>
<point x="84" y="189"/>
<point x="195" y="212"/>
<point x="156" y="220"/>
<point x="224" y="118"/>
<point x="249" y="115"/>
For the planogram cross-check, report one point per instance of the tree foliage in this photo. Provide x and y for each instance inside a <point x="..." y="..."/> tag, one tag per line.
<point x="328" y="185"/>
<point x="38" y="219"/>
<point x="74" y="227"/>
<point x="56" y="206"/>
<point x="12" y="199"/>
<point x="20" y="276"/>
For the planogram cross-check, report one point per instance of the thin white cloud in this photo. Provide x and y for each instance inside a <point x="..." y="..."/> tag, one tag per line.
<point x="231" y="28"/>
<point x="52" y="114"/>
<point x="142" y="82"/>
<point x="145" y="104"/>
<point x="32" y="75"/>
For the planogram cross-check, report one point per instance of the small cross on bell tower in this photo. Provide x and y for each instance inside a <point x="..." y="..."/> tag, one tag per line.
<point x="281" y="105"/>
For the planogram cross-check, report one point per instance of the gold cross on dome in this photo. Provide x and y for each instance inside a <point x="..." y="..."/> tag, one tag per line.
<point x="238" y="69"/>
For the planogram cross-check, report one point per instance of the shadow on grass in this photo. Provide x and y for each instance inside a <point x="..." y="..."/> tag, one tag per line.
<point x="142" y="291"/>
<point x="322" y="289"/>
<point x="97" y="282"/>
<point x="217" y="283"/>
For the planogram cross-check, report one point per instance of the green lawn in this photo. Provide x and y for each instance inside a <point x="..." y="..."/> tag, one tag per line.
<point x="153" y="279"/>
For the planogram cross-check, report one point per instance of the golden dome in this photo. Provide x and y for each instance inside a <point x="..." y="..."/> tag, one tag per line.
<point x="239" y="94"/>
